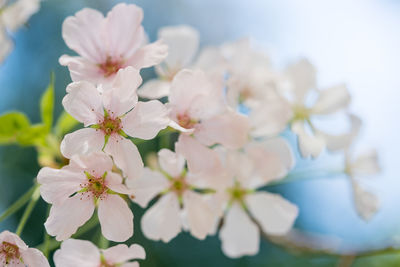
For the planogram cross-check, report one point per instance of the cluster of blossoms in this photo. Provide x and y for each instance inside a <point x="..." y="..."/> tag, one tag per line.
<point x="228" y="107"/>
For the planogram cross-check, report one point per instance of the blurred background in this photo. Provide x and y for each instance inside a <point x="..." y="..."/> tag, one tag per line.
<point x="355" y="42"/>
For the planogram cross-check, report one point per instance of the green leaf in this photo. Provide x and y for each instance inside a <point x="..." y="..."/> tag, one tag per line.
<point x="65" y="124"/>
<point x="47" y="104"/>
<point x="11" y="126"/>
<point x="386" y="260"/>
<point x="34" y="135"/>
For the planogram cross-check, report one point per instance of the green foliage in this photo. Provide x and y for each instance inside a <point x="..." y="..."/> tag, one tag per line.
<point x="47" y="104"/>
<point x="12" y="126"/>
<point x="391" y="259"/>
<point x="64" y="124"/>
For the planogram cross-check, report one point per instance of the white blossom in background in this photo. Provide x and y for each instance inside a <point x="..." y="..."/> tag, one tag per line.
<point x="109" y="115"/>
<point x="107" y="44"/>
<point x="77" y="189"/>
<point x="197" y="107"/>
<point x="82" y="253"/>
<point x="365" y="164"/>
<point x="182" y="204"/>
<point x="14" y="252"/>
<point x="13" y="15"/>
<point x="253" y="168"/>
<point x="183" y="45"/>
<point x="302" y="84"/>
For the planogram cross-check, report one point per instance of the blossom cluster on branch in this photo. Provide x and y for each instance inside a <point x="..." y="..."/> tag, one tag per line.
<point x="227" y="106"/>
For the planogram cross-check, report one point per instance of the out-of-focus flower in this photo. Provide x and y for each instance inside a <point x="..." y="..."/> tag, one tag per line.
<point x="249" y="170"/>
<point x="302" y="83"/>
<point x="197" y="106"/>
<point x="183" y="201"/>
<point x="366" y="164"/>
<point x="77" y="189"/>
<point x="75" y="252"/>
<point x="14" y="252"/>
<point x="13" y="15"/>
<point x="183" y="44"/>
<point x="107" y="44"/>
<point x="112" y="114"/>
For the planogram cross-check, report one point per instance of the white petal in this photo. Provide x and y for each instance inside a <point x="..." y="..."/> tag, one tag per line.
<point x="367" y="204"/>
<point x="126" y="156"/>
<point x="82" y="141"/>
<point x="96" y="163"/>
<point x="162" y="221"/>
<point x="154" y="89"/>
<point x="332" y="100"/>
<point x="149" y="185"/>
<point x="6" y="44"/>
<point x="275" y="214"/>
<point x="302" y="76"/>
<point x="58" y="185"/>
<point x="171" y="162"/>
<point x="17" y="13"/>
<point x="65" y="218"/>
<point x="82" y="69"/>
<point x="309" y="144"/>
<point x="146" y="120"/>
<point x="34" y="257"/>
<point x="83" y="101"/>
<point x="116" y="218"/>
<point x="200" y="214"/>
<point x="366" y="164"/>
<point x="148" y="55"/>
<point x="77" y="253"/>
<point x="239" y="235"/>
<point x="122" y="253"/>
<point x="130" y="264"/>
<point x="183" y="42"/>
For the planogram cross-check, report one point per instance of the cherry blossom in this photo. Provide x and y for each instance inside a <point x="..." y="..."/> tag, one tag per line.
<point x="107" y="44"/>
<point x="75" y="252"/>
<point x="14" y="252"/>
<point x="77" y="189"/>
<point x="183" y="203"/>
<point x="110" y="115"/>
<point x="256" y="166"/>
<point x="197" y="106"/>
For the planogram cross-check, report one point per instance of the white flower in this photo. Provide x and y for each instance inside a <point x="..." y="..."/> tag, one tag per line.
<point x="14" y="252"/>
<point x="249" y="170"/>
<point x="82" y="253"/>
<point x="111" y="115"/>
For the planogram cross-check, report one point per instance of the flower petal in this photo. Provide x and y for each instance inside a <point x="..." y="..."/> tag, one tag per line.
<point x="149" y="185"/>
<point x="366" y="164"/>
<point x="82" y="69"/>
<point x="171" y="162"/>
<point x="302" y="76"/>
<point x="34" y="257"/>
<point x="154" y="89"/>
<point x="116" y="218"/>
<point x="239" y="235"/>
<point x="122" y="253"/>
<point x="82" y="141"/>
<point x="83" y="101"/>
<point x="126" y="156"/>
<point x="162" y="220"/>
<point x="148" y="55"/>
<point x="75" y="252"/>
<point x="65" y="218"/>
<point x="332" y="100"/>
<point x="367" y="204"/>
<point x="275" y="214"/>
<point x="96" y="163"/>
<point x="309" y="144"/>
<point x="146" y="120"/>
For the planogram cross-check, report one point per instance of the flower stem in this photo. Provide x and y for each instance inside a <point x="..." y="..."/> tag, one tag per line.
<point x="28" y="211"/>
<point x="306" y="175"/>
<point x="17" y="205"/>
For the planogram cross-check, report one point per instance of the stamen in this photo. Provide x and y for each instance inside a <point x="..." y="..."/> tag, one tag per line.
<point x="110" y="66"/>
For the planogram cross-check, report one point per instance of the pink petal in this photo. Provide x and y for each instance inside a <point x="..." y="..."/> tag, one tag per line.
<point x="162" y="220"/>
<point x="82" y="69"/>
<point x="126" y="156"/>
<point x="154" y="89"/>
<point x="34" y="257"/>
<point x="65" y="218"/>
<point x="122" y="253"/>
<point x="114" y="182"/>
<point x="83" y="101"/>
<point x="148" y="55"/>
<point x="82" y="141"/>
<point x="58" y="185"/>
<point x="96" y="163"/>
<point x="146" y="120"/>
<point x="130" y="264"/>
<point x="171" y="162"/>
<point x="83" y="33"/>
<point x="116" y="219"/>
<point x="75" y="253"/>
<point x="12" y="238"/>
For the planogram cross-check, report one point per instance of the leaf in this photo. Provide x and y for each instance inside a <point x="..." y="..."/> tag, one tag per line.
<point x="65" y="124"/>
<point x="11" y="126"/>
<point x="385" y="260"/>
<point x="47" y="104"/>
<point x="34" y="135"/>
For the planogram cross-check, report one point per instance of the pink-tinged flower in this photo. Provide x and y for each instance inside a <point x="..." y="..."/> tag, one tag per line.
<point x="248" y="170"/>
<point x="110" y="114"/>
<point x="107" y="44"/>
<point x="83" y="253"/>
<point x="77" y="189"/>
<point x="14" y="252"/>
<point x="197" y="107"/>
<point x="186" y="202"/>
<point x="183" y="44"/>
<point x="307" y="114"/>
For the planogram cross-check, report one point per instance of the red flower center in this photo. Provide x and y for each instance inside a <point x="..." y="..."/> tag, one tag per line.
<point x="9" y="252"/>
<point x="185" y="121"/>
<point x="110" y="66"/>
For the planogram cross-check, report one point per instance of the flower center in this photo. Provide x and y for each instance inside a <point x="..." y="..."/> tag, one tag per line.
<point x="245" y="94"/>
<point x="9" y="252"/>
<point x="110" y="125"/>
<point x="95" y="186"/>
<point x="301" y="112"/>
<point x="179" y="185"/>
<point x="185" y="121"/>
<point x="237" y="193"/>
<point x="110" y="66"/>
